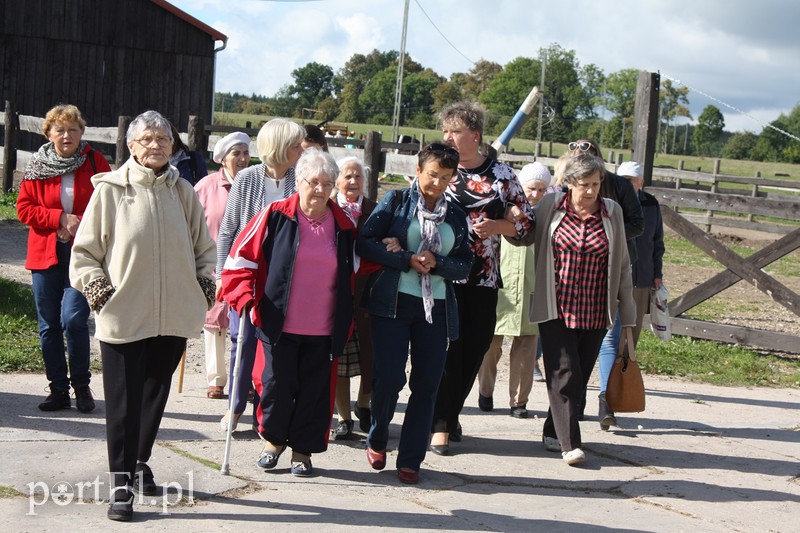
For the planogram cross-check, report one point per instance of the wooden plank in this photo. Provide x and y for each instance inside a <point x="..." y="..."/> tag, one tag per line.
<point x="645" y="117"/>
<point x="728" y="202"/>
<point x="739" y="335"/>
<point x="767" y="227"/>
<point x="760" y="280"/>
<point x="766" y="256"/>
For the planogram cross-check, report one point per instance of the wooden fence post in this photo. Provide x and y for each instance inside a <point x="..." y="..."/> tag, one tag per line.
<point x="714" y="190"/>
<point x="196" y="135"/>
<point x="122" y="153"/>
<point x="550" y="149"/>
<point x="10" y="153"/>
<point x="754" y="194"/>
<point x="372" y="158"/>
<point x="645" y="122"/>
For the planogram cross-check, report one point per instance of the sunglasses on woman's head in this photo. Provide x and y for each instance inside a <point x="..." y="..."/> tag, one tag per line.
<point x="582" y="146"/>
<point x="442" y="150"/>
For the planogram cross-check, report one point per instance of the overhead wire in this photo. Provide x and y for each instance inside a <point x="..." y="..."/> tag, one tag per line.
<point x="729" y="106"/>
<point x="442" y="34"/>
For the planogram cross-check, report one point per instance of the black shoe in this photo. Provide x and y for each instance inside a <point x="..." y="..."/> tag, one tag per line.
<point x="344" y="431"/>
<point x="57" y="399"/>
<point x="143" y="481"/>
<point x="121" y="508"/>
<point x="456" y="434"/>
<point x="485" y="403"/>
<point x="604" y="415"/>
<point x="364" y="416"/>
<point x="440" y="449"/>
<point x="83" y="399"/>
<point x="519" y="412"/>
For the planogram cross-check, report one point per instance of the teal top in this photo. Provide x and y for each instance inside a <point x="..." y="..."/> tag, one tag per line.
<point x="409" y="281"/>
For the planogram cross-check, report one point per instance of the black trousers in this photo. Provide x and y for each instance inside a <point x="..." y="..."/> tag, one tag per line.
<point x="569" y="356"/>
<point x="136" y="382"/>
<point x="476" y="320"/>
<point x="293" y="381"/>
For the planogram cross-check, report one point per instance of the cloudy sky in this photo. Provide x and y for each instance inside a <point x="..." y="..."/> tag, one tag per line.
<point x="740" y="52"/>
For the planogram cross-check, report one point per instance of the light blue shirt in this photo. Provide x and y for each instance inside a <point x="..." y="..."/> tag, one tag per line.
<point x="409" y="281"/>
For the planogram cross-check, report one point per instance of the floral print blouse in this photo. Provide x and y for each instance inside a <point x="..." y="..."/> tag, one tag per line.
<point x="486" y="192"/>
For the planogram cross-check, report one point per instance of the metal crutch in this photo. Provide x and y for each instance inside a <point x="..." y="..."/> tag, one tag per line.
<point x="225" y="469"/>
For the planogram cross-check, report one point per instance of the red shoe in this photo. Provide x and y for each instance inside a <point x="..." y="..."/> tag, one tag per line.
<point x="409" y="477"/>
<point x="376" y="459"/>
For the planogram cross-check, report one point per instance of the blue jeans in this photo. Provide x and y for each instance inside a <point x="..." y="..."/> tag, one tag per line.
<point x="608" y="352"/>
<point x="248" y="338"/>
<point x="391" y="337"/>
<point x="62" y="311"/>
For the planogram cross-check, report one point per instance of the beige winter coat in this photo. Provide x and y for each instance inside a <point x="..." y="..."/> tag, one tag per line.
<point x="147" y="236"/>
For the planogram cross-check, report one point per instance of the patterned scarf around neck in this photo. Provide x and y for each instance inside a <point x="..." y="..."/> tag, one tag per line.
<point x="429" y="221"/>
<point x="353" y="209"/>
<point x="46" y="163"/>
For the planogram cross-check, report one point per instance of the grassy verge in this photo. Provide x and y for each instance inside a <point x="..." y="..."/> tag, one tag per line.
<point x="8" y="207"/>
<point x="19" y="331"/>
<point x="711" y="362"/>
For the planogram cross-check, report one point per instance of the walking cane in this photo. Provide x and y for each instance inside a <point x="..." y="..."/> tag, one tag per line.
<point x="237" y="371"/>
<point x="180" y="372"/>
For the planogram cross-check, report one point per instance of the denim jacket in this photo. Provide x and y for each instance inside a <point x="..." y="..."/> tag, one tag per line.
<point x="392" y="218"/>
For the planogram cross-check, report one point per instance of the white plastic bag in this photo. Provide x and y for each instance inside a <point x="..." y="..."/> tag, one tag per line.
<point x="659" y="313"/>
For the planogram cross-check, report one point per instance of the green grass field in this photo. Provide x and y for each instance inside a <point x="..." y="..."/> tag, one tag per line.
<point x="732" y="167"/>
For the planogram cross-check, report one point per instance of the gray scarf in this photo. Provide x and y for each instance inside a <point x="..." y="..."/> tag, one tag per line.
<point x="46" y="163"/>
<point x="431" y="240"/>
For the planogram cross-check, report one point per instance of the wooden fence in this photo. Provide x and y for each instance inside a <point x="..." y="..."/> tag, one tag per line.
<point x="710" y="202"/>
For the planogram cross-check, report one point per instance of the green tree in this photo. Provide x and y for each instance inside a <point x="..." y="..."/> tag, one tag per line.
<point x="773" y="145"/>
<point x="673" y="103"/>
<point x="354" y="76"/>
<point x="312" y="83"/>
<point x="740" y="145"/>
<point x="706" y="136"/>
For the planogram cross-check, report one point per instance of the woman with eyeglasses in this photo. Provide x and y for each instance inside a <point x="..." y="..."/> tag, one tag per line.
<point x="411" y="300"/>
<point x="484" y="189"/>
<point x="620" y="190"/>
<point x="52" y="197"/>
<point x="144" y="259"/>
<point x="291" y="270"/>
<point x="583" y="278"/>
<point x="279" y="144"/>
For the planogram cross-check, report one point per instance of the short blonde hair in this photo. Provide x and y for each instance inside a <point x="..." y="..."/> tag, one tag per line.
<point x="274" y="139"/>
<point x="62" y="113"/>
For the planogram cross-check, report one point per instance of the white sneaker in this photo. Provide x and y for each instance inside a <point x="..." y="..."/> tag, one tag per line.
<point x="551" y="444"/>
<point x="537" y="375"/>
<point x="573" y="457"/>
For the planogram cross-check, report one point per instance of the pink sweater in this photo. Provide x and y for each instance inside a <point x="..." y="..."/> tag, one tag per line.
<point x="213" y="192"/>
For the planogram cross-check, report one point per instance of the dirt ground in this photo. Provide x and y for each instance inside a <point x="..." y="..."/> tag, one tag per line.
<point x="745" y="305"/>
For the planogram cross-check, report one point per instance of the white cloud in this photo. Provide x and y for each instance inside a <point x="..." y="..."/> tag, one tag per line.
<point x="741" y="52"/>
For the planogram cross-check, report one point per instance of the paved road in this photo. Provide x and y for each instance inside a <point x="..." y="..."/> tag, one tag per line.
<point x="701" y="458"/>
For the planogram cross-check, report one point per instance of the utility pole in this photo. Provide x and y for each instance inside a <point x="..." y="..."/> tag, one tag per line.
<point x="398" y="91"/>
<point x="541" y="102"/>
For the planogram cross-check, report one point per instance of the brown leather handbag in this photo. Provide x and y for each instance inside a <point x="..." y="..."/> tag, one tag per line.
<point x="625" y="390"/>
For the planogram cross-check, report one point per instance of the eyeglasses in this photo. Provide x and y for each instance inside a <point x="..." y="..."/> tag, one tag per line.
<point x="314" y="184"/>
<point x="163" y="142"/>
<point x="582" y="146"/>
<point x="443" y="150"/>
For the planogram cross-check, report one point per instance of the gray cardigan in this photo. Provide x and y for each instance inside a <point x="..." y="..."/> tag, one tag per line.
<point x="543" y="306"/>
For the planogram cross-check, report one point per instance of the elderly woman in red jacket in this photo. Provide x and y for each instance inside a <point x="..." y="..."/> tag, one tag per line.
<point x="291" y="270"/>
<point x="52" y="197"/>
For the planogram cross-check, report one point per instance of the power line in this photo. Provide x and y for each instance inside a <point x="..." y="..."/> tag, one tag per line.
<point x="729" y="106"/>
<point x="442" y="34"/>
